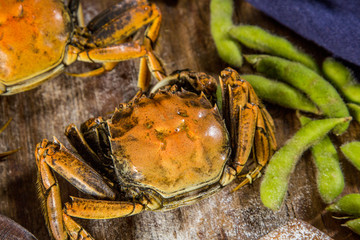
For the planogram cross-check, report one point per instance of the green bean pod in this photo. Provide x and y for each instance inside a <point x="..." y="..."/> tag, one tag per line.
<point x="348" y="204"/>
<point x="354" y="111"/>
<point x="320" y="91"/>
<point x="352" y="152"/>
<point x="342" y="79"/>
<point x="280" y="93"/>
<point x="275" y="182"/>
<point x="354" y="225"/>
<point x="259" y="39"/>
<point x="329" y="178"/>
<point x="228" y="49"/>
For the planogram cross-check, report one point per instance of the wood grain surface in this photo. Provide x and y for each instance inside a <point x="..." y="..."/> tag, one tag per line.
<point x="184" y="42"/>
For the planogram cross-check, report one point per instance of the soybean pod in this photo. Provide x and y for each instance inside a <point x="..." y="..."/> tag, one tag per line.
<point x="280" y="93"/>
<point x="352" y="93"/>
<point x="329" y="178"/>
<point x="275" y="182"/>
<point x="220" y="21"/>
<point x="342" y="79"/>
<point x="352" y="152"/>
<point x="257" y="38"/>
<point x="320" y="91"/>
<point x="354" y="225"/>
<point x="337" y="73"/>
<point x="348" y="204"/>
<point x="354" y="111"/>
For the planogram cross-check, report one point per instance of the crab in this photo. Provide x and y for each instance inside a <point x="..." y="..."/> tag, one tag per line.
<point x="183" y="141"/>
<point x="39" y="38"/>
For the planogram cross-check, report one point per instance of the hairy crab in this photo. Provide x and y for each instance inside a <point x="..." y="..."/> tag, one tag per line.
<point x="157" y="152"/>
<point x="38" y="38"/>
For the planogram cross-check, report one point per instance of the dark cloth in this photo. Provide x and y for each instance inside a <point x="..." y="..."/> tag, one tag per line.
<point x="332" y="24"/>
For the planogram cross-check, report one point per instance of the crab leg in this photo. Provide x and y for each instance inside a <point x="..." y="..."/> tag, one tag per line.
<point x="250" y="124"/>
<point x="5" y="125"/>
<point x="268" y="126"/>
<point x="153" y="63"/>
<point x="106" y="66"/>
<point x="112" y="12"/>
<point x="144" y="76"/>
<point x="155" y="68"/>
<point x="54" y="156"/>
<point x="78" y="141"/>
<point x="95" y="209"/>
<point x="5" y="154"/>
<point x="201" y="82"/>
<point x="245" y="135"/>
<point x="76" y="9"/>
<point x="101" y="209"/>
<point x="121" y="27"/>
<point x="74" y="230"/>
<point x="108" y="32"/>
<point x="114" y="53"/>
<point x="84" y="178"/>
<point x="241" y="117"/>
<point x="262" y="149"/>
<point x="262" y="142"/>
<point x="49" y="192"/>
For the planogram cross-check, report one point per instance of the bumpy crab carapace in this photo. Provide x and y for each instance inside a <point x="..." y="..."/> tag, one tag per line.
<point x="184" y="141"/>
<point x="38" y="38"/>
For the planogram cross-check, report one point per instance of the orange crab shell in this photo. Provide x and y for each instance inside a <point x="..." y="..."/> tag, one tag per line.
<point x="33" y="37"/>
<point x="171" y="143"/>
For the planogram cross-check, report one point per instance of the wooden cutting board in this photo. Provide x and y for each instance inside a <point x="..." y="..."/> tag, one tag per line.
<point x="185" y="42"/>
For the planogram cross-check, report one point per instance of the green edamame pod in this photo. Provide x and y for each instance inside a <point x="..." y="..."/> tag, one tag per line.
<point x="274" y="185"/>
<point x="348" y="204"/>
<point x="354" y="111"/>
<point x="352" y="152"/>
<point x="320" y="91"/>
<point x="352" y="93"/>
<point x="337" y="73"/>
<point x="354" y="225"/>
<point x="257" y="38"/>
<point x="220" y="21"/>
<point x="342" y="79"/>
<point x="329" y="178"/>
<point x="280" y="93"/>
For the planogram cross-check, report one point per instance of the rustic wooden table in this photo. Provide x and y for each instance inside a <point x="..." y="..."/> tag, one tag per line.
<point x="185" y="42"/>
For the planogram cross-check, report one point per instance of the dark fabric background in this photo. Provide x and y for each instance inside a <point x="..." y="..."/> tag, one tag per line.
<point x="332" y="24"/>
